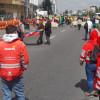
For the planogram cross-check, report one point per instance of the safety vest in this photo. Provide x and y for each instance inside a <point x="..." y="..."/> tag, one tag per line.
<point x="13" y="59"/>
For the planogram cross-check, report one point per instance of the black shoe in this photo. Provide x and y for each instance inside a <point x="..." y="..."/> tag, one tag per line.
<point x="47" y="43"/>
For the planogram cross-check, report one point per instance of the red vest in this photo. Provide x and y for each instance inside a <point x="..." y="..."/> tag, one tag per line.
<point x="12" y="56"/>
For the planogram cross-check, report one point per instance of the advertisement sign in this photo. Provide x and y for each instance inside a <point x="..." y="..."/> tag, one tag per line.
<point x="18" y="2"/>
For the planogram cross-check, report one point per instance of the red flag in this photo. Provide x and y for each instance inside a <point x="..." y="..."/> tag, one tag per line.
<point x="36" y="34"/>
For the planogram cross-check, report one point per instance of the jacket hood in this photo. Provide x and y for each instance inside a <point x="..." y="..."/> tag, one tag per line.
<point x="94" y="34"/>
<point x="10" y="37"/>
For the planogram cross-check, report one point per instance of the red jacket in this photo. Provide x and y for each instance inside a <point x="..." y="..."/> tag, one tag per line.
<point x="86" y="51"/>
<point x="95" y="33"/>
<point x="13" y="59"/>
<point x="89" y="46"/>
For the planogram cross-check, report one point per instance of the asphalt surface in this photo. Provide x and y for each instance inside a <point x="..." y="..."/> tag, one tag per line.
<point x="54" y="72"/>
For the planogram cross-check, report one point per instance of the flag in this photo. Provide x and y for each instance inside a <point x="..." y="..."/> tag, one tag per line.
<point x="35" y="33"/>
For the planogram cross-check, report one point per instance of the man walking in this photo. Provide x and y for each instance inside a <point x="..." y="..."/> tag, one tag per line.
<point x="41" y="29"/>
<point x="48" y="31"/>
<point x="13" y="61"/>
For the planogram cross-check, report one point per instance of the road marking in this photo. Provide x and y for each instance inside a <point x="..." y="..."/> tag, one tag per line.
<point x="51" y="37"/>
<point x="63" y="30"/>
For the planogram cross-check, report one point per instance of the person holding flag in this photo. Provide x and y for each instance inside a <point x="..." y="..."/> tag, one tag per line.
<point x="48" y="31"/>
<point x="41" y="29"/>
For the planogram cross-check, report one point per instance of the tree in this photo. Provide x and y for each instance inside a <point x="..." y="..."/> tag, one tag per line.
<point x="97" y="9"/>
<point x="47" y="5"/>
<point x="66" y="12"/>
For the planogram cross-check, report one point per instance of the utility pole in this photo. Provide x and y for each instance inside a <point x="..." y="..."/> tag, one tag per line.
<point x="26" y="7"/>
<point x="55" y="5"/>
<point x="55" y="1"/>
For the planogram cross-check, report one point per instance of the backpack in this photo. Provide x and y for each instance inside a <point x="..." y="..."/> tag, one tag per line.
<point x="86" y="25"/>
<point x="94" y="54"/>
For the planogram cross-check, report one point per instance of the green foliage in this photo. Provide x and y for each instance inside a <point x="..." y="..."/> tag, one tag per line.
<point x="97" y="9"/>
<point x="47" y="5"/>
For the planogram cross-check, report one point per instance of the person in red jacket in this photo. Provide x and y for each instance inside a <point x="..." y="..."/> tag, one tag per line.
<point x="13" y="61"/>
<point x="90" y="67"/>
<point x="95" y="30"/>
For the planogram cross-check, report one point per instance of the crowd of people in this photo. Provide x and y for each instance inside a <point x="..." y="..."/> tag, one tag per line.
<point x="44" y="24"/>
<point x="14" y="57"/>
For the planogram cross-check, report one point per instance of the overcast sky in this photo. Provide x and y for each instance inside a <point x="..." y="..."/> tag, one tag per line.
<point x="75" y="4"/>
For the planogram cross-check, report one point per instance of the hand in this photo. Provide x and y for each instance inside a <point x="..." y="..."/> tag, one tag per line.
<point x="23" y="68"/>
<point x="81" y="63"/>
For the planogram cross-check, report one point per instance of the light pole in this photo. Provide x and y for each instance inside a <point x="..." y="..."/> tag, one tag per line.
<point x="55" y="1"/>
<point x="55" y="5"/>
<point x="26" y="7"/>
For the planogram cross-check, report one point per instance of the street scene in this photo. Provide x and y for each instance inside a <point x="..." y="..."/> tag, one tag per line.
<point x="50" y="50"/>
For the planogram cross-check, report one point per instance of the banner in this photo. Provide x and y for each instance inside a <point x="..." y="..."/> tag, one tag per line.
<point x="35" y="33"/>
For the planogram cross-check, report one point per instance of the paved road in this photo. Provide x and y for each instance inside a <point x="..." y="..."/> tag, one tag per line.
<point x="54" y="72"/>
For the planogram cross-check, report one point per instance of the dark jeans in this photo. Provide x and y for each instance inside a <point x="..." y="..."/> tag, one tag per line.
<point x="79" y="26"/>
<point x="86" y="34"/>
<point x="47" y="38"/>
<point x="40" y="39"/>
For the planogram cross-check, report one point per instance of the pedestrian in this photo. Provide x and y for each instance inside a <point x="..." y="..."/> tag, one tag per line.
<point x="21" y="30"/>
<point x="66" y="20"/>
<point x="79" y="23"/>
<point x="41" y="29"/>
<point x="86" y="30"/>
<point x="13" y="62"/>
<point x="90" y="67"/>
<point x="62" y="20"/>
<point x="48" y="31"/>
<point x="90" y="26"/>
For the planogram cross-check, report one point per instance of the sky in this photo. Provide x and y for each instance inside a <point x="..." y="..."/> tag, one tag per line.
<point x="75" y="4"/>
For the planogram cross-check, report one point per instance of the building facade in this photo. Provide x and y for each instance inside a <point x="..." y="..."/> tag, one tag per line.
<point x="12" y="8"/>
<point x="20" y="8"/>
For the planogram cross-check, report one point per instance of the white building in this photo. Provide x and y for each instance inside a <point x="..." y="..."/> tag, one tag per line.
<point x="35" y="2"/>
